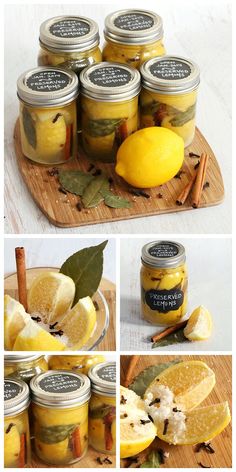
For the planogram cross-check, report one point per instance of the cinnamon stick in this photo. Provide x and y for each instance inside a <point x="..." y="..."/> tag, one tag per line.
<point x="200" y="179"/>
<point x="156" y="337"/>
<point x="21" y="275"/>
<point x="186" y="190"/>
<point x="132" y="364"/>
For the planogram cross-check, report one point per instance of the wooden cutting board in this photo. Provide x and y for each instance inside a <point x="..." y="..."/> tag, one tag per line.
<point x="61" y="209"/>
<point x="89" y="461"/>
<point x="107" y="288"/>
<point x="185" y="456"/>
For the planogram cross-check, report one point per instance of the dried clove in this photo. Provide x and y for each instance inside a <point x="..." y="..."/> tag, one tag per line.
<point x="99" y="460"/>
<point x="156" y="400"/>
<point x="9" y="427"/>
<point x="178" y="175"/>
<point x="123" y="400"/>
<point x="62" y="190"/>
<point x="107" y="461"/>
<point x="96" y="306"/>
<point x="52" y="172"/>
<point x="79" y="206"/>
<point x="193" y="154"/>
<point x="139" y="193"/>
<point x="205" y="446"/>
<point x="145" y="421"/>
<point x="166" y="424"/>
<point x="57" y="333"/>
<point x="52" y="326"/>
<point x="206" y="185"/>
<point x="204" y="466"/>
<point x="56" y="117"/>
<point x="36" y="318"/>
<point x="159" y="195"/>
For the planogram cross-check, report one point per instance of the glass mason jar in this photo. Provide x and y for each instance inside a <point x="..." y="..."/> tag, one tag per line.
<point x="48" y="122"/>
<point x="109" y="108"/>
<point x="80" y="364"/>
<point x="24" y="367"/>
<point x="133" y="37"/>
<point x="60" y="416"/>
<point x="70" y="42"/>
<point x="164" y="283"/>
<point x="169" y="95"/>
<point x="16" y="424"/>
<point x="102" y="407"/>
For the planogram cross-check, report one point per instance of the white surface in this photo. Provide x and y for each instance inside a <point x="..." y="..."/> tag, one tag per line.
<point x="200" y="30"/>
<point x="209" y="266"/>
<point x="51" y="252"/>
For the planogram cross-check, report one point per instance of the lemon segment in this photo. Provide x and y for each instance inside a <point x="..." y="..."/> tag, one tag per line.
<point x="135" y="436"/>
<point x="33" y="338"/>
<point x="199" y="326"/>
<point x="15" y="319"/>
<point x="11" y="446"/>
<point x="54" y="450"/>
<point x="79" y="323"/>
<point x="190" y="382"/>
<point x="51" y="295"/>
<point x="129" y="398"/>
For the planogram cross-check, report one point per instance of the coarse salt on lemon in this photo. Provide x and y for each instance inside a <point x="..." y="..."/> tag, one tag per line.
<point x="79" y="323"/>
<point x="136" y="431"/>
<point x="15" y="319"/>
<point x="199" y="325"/>
<point x="33" y="338"/>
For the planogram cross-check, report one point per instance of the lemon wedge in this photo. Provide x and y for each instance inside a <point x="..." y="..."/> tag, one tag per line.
<point x="51" y="295"/>
<point x="199" y="326"/>
<point x="190" y="382"/>
<point x="15" y="319"/>
<point x="129" y="397"/>
<point x="33" y="338"/>
<point x="79" y="323"/>
<point x="136" y="431"/>
<point x="11" y="445"/>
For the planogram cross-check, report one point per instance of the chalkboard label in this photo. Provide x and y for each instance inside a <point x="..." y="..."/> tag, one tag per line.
<point x="110" y="76"/>
<point x="11" y="390"/>
<point x="164" y="300"/>
<point x="48" y="81"/>
<point x="108" y="373"/>
<point x="69" y="28"/>
<point x="134" y="22"/>
<point x="60" y="383"/>
<point x="163" y="250"/>
<point x="170" y="69"/>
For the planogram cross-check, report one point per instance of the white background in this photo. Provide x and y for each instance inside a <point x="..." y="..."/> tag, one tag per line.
<point x="51" y="252"/>
<point x="209" y="267"/>
<point x="197" y="29"/>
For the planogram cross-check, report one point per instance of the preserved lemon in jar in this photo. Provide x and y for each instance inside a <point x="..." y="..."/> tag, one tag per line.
<point x="102" y="408"/>
<point x="24" y="367"/>
<point x="164" y="283"/>
<point x="169" y="95"/>
<point x="16" y="424"/>
<point x="60" y="416"/>
<point x="133" y="37"/>
<point x="48" y="118"/>
<point x="109" y="108"/>
<point x="80" y="364"/>
<point x="71" y="42"/>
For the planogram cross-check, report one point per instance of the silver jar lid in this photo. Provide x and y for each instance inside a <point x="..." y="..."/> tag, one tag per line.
<point x="69" y="33"/>
<point x="47" y="87"/>
<point x="163" y="254"/>
<point x="170" y="74"/>
<point x="16" y="359"/>
<point x="133" y="27"/>
<point x="60" y="389"/>
<point x="110" y="82"/>
<point x="103" y="378"/>
<point x="16" y="396"/>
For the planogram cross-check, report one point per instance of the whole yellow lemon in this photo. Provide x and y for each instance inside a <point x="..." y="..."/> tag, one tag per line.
<point x="150" y="157"/>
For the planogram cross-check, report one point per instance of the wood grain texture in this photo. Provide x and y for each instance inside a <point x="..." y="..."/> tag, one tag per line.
<point x="89" y="461"/>
<point x="107" y="288"/>
<point x="185" y="456"/>
<point x="61" y="209"/>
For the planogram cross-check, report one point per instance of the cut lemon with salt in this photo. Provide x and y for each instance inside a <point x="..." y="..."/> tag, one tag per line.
<point x="191" y="382"/>
<point x="136" y="431"/>
<point x="15" y="319"/>
<point x="79" y="323"/>
<point x="129" y="398"/>
<point x="33" y="338"/>
<point x="201" y="425"/>
<point x="51" y="295"/>
<point x="199" y="326"/>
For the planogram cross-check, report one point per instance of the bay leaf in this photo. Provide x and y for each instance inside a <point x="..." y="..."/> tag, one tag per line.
<point x="55" y="434"/>
<point x="101" y="411"/>
<point x="85" y="268"/>
<point x="183" y="117"/>
<point x="74" y="181"/>
<point x="29" y="127"/>
<point x="114" y="201"/>
<point x="174" y="338"/>
<point x="143" y="380"/>
<point x="153" y="461"/>
<point x="92" y="195"/>
<point x="103" y="127"/>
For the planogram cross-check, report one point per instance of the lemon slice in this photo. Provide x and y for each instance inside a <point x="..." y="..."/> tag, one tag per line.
<point x="79" y="323"/>
<point x="33" y="338"/>
<point x="15" y="319"/>
<point x="51" y="295"/>
<point x="199" y="326"/>
<point x="136" y="431"/>
<point x="190" y="382"/>
<point x="201" y="425"/>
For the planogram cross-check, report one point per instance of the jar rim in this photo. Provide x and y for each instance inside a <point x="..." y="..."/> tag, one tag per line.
<point x="15" y="358"/>
<point x="103" y="378"/>
<point x="163" y="254"/>
<point x="67" y="43"/>
<point x="16" y="396"/>
<point x="134" y="33"/>
<point x="170" y="74"/>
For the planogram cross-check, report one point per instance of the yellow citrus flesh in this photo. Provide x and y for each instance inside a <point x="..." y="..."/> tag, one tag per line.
<point x="53" y="451"/>
<point x="191" y="382"/>
<point x="51" y="295"/>
<point x="79" y="323"/>
<point x="202" y="424"/>
<point x="128" y="397"/>
<point x="134" y="436"/>
<point x="15" y="319"/>
<point x="51" y="136"/>
<point x="33" y="338"/>
<point x="199" y="326"/>
<point x="11" y="446"/>
<point x="150" y="157"/>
